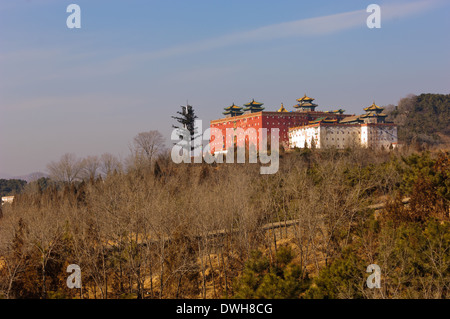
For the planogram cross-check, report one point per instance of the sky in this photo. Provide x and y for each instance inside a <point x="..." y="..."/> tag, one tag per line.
<point x="132" y="64"/>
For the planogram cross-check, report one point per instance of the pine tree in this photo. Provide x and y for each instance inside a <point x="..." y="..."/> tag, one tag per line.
<point x="187" y="121"/>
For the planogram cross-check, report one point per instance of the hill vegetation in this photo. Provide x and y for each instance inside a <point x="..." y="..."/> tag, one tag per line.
<point x="160" y="230"/>
<point x="422" y="119"/>
<point x="149" y="228"/>
<point x="11" y="186"/>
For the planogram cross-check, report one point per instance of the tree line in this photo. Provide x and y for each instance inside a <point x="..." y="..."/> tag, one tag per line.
<point x="160" y="230"/>
<point x="422" y="119"/>
<point x="11" y="186"/>
<point x="145" y="227"/>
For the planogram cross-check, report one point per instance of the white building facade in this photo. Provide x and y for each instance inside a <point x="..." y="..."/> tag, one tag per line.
<point x="341" y="136"/>
<point x="381" y="135"/>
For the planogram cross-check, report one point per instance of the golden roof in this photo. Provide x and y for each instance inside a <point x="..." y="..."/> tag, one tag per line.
<point x="373" y="107"/>
<point x="340" y="111"/>
<point x="373" y="114"/>
<point x="305" y="98"/>
<point x="233" y="107"/>
<point x="353" y="118"/>
<point x="282" y="109"/>
<point x="253" y="103"/>
<point x="308" y="104"/>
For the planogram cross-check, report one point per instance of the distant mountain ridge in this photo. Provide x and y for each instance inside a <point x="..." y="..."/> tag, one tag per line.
<point x="28" y="178"/>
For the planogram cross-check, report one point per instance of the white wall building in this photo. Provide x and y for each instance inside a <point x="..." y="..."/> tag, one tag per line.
<point x="367" y="130"/>
<point x="341" y="136"/>
<point x="382" y="135"/>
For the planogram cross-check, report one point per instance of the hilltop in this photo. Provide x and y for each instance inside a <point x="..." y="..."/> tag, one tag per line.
<point x="422" y="119"/>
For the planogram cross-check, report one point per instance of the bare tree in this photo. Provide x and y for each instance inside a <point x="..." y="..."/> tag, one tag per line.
<point x="91" y="165"/>
<point x="148" y="144"/>
<point x="13" y="251"/>
<point x="68" y="168"/>
<point x="45" y="237"/>
<point x="109" y="163"/>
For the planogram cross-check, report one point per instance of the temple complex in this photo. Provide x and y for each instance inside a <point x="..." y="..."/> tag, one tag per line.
<point x="253" y="116"/>
<point x="367" y="130"/>
<point x="304" y="127"/>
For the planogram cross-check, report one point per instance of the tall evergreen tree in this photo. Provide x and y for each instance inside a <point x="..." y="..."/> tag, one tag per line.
<point x="187" y="118"/>
<point x="187" y="121"/>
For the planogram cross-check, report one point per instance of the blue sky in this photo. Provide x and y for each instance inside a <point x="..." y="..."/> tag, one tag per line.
<point x="133" y="63"/>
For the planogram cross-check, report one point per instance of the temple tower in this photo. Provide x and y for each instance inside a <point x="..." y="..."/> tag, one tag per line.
<point x="233" y="110"/>
<point x="305" y="104"/>
<point x="253" y="107"/>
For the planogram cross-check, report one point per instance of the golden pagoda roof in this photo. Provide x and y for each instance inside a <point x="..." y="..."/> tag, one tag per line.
<point x="373" y="114"/>
<point x="234" y="107"/>
<point x="253" y="103"/>
<point x="282" y="109"/>
<point x="373" y="107"/>
<point x="233" y="112"/>
<point x="308" y="104"/>
<point x="340" y="111"/>
<point x="305" y="98"/>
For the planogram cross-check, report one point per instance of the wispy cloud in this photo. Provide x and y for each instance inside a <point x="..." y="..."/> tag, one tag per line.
<point x="305" y="27"/>
<point x="316" y="26"/>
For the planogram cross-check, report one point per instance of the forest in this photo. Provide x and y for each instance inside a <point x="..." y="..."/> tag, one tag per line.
<point x="146" y="228"/>
<point x="161" y="230"/>
<point x="422" y="119"/>
<point x="11" y="186"/>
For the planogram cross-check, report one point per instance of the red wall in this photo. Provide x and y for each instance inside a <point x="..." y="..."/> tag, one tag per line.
<point x="268" y="120"/>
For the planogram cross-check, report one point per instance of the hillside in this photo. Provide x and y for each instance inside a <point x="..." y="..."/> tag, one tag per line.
<point x="226" y="231"/>
<point x="422" y="119"/>
<point x="11" y="186"/>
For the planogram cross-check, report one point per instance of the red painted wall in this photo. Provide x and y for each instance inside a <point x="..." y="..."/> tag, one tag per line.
<point x="268" y="120"/>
